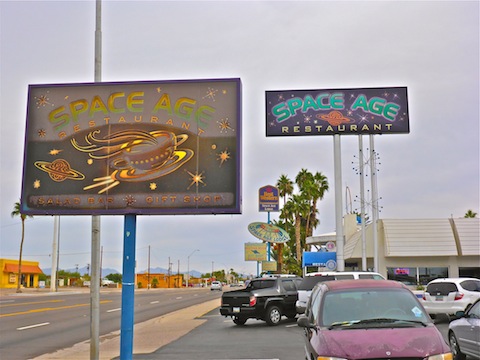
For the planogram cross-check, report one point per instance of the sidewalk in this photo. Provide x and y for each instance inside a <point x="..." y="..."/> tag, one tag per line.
<point x="148" y="336"/>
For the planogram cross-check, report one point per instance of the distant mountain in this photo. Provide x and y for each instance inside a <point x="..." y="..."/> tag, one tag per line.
<point x="107" y="271"/>
<point x="83" y="271"/>
<point x="159" y="270"/>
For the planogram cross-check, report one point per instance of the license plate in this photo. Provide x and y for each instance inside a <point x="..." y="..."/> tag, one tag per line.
<point x="236" y="309"/>
<point x="439" y="298"/>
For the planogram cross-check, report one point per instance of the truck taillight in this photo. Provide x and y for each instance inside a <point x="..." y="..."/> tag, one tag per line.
<point x="253" y="300"/>
<point x="458" y="296"/>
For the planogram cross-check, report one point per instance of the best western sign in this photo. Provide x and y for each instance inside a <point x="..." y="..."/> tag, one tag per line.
<point x="337" y="111"/>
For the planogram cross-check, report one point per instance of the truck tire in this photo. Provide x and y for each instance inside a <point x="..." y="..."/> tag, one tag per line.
<point x="239" y="321"/>
<point x="273" y="315"/>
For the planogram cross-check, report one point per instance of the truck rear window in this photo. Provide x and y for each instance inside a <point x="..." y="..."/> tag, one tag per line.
<point x="261" y="284"/>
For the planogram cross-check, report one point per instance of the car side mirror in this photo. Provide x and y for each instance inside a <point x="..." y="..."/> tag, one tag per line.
<point x="304" y="322"/>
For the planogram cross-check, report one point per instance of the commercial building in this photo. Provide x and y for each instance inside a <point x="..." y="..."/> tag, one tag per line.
<point x="413" y="251"/>
<point x="9" y="274"/>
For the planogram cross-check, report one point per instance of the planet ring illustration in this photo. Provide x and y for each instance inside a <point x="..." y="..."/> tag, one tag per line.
<point x="335" y="118"/>
<point x="135" y="155"/>
<point x="59" y="170"/>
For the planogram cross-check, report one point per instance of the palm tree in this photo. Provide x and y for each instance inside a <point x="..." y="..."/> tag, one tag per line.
<point x="16" y="212"/>
<point x="313" y="187"/>
<point x="470" y="214"/>
<point x="285" y="187"/>
<point x="320" y="186"/>
<point x="298" y="206"/>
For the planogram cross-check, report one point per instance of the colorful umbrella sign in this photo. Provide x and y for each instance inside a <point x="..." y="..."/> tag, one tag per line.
<point x="268" y="232"/>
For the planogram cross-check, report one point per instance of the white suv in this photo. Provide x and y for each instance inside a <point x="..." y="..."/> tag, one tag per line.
<point x="311" y="279"/>
<point x="216" y="285"/>
<point x="449" y="295"/>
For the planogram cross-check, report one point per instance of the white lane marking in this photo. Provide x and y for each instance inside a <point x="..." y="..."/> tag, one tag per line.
<point x="112" y="310"/>
<point x="292" y="325"/>
<point x="154" y="302"/>
<point x="33" y="326"/>
<point x="6" y="301"/>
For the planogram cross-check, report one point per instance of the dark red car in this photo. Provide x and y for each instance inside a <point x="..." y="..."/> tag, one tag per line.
<point x="369" y="319"/>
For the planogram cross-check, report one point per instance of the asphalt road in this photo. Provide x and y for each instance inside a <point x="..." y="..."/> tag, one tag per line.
<point x="32" y="325"/>
<point x="37" y="324"/>
<point x="220" y="338"/>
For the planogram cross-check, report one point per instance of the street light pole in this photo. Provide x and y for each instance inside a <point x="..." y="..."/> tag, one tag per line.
<point x="188" y="267"/>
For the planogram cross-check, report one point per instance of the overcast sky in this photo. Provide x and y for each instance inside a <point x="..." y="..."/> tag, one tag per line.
<point x="431" y="47"/>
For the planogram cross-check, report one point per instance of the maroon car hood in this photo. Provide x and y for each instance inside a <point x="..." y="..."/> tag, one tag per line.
<point x="381" y="343"/>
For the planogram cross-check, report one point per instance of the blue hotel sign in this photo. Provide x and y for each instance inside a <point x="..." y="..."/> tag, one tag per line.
<point x="268" y="198"/>
<point x="337" y="111"/>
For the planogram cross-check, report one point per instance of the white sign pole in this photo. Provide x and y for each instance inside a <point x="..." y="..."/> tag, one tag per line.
<point x="337" y="157"/>
<point x="95" y="255"/>
<point x="362" y="201"/>
<point x="373" y="179"/>
<point x="53" y="274"/>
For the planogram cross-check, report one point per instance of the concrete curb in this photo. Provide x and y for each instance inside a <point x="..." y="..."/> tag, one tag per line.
<point x="148" y="337"/>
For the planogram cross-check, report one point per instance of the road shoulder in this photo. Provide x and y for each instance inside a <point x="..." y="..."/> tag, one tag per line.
<point x="149" y="336"/>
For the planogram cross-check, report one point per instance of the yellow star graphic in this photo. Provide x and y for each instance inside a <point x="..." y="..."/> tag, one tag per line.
<point x="223" y="156"/>
<point x="224" y="125"/>
<point x="196" y="179"/>
<point x="55" y="152"/>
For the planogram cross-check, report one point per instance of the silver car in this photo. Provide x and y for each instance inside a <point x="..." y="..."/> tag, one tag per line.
<point x="216" y="285"/>
<point x="464" y="333"/>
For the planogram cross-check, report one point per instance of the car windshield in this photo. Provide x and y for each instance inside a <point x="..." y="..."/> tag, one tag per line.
<point x="372" y="308"/>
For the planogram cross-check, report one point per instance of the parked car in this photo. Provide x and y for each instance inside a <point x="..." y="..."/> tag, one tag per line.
<point x="267" y="298"/>
<point x="107" y="282"/>
<point x="369" y="319"/>
<point x="464" y="333"/>
<point x="449" y="295"/>
<point x="216" y="285"/>
<point x="311" y="279"/>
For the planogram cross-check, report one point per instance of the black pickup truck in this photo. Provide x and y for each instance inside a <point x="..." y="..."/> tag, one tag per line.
<point x="267" y="298"/>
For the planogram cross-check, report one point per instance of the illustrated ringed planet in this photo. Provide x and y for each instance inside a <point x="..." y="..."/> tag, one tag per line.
<point x="59" y="170"/>
<point x="335" y="118"/>
<point x="134" y="155"/>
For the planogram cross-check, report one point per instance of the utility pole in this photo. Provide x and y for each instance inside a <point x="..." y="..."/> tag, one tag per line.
<point x="178" y="274"/>
<point x="148" y="272"/>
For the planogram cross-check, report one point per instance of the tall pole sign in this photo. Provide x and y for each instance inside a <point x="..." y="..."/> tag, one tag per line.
<point x="268" y="200"/>
<point x="358" y="111"/>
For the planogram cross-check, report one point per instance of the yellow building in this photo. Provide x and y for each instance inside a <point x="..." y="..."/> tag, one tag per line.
<point x="9" y="273"/>
<point x="159" y="280"/>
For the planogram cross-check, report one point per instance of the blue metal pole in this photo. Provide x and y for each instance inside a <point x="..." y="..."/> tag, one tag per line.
<point x="128" y="288"/>
<point x="268" y="243"/>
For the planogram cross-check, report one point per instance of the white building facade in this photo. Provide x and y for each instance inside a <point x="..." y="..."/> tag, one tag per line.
<point x="413" y="251"/>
